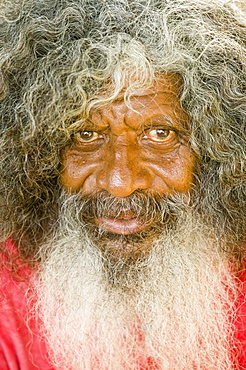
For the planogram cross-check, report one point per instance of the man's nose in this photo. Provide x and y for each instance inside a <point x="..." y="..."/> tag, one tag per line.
<point x="123" y="172"/>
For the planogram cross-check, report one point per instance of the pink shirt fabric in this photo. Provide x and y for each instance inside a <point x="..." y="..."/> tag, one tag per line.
<point x="21" y="345"/>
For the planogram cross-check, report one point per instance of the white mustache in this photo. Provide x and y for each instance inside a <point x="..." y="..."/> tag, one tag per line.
<point x="140" y="205"/>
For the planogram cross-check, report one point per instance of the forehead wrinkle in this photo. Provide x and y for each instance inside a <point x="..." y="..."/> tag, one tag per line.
<point x="139" y="123"/>
<point x="121" y="114"/>
<point x="97" y="121"/>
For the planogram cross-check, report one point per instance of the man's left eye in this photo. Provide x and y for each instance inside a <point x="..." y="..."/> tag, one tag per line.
<point x="86" y="136"/>
<point x="160" y="134"/>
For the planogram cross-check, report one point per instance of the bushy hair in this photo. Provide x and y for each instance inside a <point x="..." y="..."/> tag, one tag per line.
<point x="58" y="56"/>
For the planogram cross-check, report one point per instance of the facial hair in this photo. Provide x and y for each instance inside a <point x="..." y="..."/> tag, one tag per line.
<point x="171" y="308"/>
<point x="153" y="211"/>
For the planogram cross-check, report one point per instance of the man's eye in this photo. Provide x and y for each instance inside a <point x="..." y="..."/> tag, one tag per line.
<point x="160" y="134"/>
<point x="86" y="136"/>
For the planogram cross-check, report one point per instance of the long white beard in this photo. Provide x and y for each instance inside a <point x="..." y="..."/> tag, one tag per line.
<point x="172" y="310"/>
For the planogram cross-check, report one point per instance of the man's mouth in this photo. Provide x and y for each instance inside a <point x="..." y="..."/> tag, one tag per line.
<point x="123" y="226"/>
<point x="124" y="223"/>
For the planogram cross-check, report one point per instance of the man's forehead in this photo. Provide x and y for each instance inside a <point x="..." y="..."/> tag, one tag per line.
<point x="158" y="100"/>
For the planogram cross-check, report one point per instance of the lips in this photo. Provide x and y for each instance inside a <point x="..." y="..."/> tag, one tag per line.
<point x="124" y="223"/>
<point x="121" y="226"/>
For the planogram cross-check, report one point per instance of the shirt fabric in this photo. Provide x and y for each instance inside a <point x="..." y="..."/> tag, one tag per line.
<point x="21" y="345"/>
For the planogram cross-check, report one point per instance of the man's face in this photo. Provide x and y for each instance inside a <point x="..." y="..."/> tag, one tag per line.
<point x="124" y="149"/>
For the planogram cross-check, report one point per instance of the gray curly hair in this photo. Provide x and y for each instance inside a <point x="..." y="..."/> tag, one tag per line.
<point x="56" y="59"/>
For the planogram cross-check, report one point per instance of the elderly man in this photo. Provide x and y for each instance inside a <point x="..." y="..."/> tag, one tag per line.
<point x="122" y="184"/>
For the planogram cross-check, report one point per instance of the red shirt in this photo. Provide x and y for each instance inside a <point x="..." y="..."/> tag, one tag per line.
<point x="22" y="347"/>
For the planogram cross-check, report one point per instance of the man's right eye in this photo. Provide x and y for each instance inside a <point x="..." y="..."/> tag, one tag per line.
<point x="86" y="136"/>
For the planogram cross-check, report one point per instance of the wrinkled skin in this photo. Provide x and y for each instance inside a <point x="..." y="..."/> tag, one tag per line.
<point x="122" y="149"/>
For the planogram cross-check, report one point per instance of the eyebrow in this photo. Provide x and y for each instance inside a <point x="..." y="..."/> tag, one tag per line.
<point x="90" y="125"/>
<point x="163" y="118"/>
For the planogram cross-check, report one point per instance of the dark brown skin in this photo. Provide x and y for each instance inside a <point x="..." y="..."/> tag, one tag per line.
<point x="121" y="150"/>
